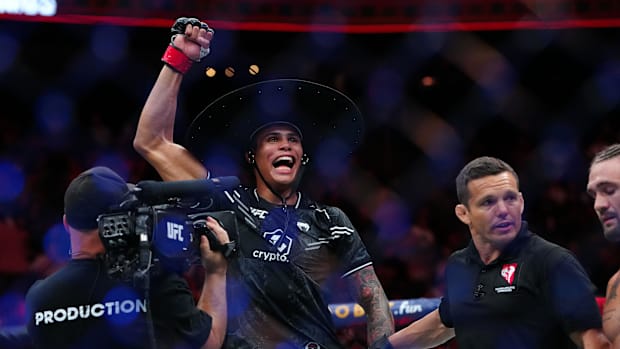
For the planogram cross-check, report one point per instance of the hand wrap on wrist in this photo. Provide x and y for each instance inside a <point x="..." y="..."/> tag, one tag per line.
<point x="177" y="60"/>
<point x="174" y="57"/>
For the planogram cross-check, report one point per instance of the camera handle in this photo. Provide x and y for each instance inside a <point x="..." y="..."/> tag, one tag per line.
<point x="141" y="277"/>
<point x="227" y="249"/>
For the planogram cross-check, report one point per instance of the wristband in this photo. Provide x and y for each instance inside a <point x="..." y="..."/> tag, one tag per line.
<point x="177" y="60"/>
<point x="228" y="249"/>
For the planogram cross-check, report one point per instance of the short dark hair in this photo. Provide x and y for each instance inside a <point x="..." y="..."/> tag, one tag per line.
<point x="480" y="167"/>
<point x="607" y="153"/>
<point x="253" y="136"/>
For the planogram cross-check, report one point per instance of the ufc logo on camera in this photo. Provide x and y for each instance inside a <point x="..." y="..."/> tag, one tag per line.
<point x="174" y="231"/>
<point x="172" y="235"/>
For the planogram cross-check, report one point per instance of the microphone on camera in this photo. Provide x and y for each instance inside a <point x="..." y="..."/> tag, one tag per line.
<point x="160" y="192"/>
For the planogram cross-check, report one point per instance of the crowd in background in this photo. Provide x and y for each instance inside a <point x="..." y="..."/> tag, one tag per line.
<point x="71" y="96"/>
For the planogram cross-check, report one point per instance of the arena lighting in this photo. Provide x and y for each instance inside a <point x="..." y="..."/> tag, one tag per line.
<point x="229" y="72"/>
<point x="253" y="69"/>
<point x="29" y="7"/>
<point x="347" y="16"/>
<point x="330" y="28"/>
<point x="210" y="72"/>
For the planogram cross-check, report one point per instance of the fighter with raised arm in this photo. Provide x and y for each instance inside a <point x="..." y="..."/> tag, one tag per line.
<point x="289" y="244"/>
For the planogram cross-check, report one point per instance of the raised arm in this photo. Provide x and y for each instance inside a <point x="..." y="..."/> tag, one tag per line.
<point x="370" y="295"/>
<point x="154" y="135"/>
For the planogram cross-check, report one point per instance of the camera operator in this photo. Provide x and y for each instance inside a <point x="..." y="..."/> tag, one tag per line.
<point x="80" y="306"/>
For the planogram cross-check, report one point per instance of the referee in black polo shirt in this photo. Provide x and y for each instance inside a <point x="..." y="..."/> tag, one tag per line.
<point x="509" y="288"/>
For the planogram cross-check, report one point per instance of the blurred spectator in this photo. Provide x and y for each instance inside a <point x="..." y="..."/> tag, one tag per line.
<point x="14" y="250"/>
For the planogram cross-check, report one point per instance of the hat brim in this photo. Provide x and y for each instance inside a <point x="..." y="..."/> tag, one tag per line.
<point x="323" y="114"/>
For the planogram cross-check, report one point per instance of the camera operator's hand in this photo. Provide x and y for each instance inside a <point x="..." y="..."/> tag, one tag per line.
<point x="214" y="261"/>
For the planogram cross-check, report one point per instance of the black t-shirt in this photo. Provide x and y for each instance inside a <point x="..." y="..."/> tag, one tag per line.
<point x="79" y="306"/>
<point x="533" y="296"/>
<point x="275" y="295"/>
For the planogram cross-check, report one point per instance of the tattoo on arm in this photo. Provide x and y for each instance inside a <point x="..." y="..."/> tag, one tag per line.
<point x="613" y="290"/>
<point x="611" y="315"/>
<point x="608" y="313"/>
<point x="370" y="295"/>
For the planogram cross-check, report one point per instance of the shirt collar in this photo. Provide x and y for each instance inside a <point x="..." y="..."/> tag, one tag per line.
<point x="512" y="249"/>
<point x="264" y="204"/>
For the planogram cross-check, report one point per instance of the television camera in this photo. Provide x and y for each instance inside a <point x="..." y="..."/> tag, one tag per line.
<point x="158" y="227"/>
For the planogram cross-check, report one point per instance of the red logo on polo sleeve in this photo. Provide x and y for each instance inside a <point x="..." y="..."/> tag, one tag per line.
<point x="508" y="272"/>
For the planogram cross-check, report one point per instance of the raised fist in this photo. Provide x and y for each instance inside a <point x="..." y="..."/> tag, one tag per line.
<point x="192" y="37"/>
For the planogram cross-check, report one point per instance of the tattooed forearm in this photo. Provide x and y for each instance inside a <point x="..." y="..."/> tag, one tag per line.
<point x="611" y="299"/>
<point x="371" y="296"/>
<point x="613" y="290"/>
<point x="608" y="313"/>
<point x="611" y="310"/>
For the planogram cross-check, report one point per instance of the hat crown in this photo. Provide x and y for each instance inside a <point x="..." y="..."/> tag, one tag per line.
<point x="320" y="113"/>
<point x="92" y="193"/>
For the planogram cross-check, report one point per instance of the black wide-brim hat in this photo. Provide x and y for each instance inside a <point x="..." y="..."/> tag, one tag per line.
<point x="324" y="116"/>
